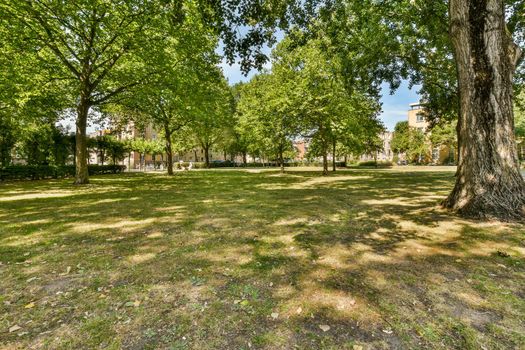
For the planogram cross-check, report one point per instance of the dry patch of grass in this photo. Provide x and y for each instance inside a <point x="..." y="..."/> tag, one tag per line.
<point x="249" y="260"/>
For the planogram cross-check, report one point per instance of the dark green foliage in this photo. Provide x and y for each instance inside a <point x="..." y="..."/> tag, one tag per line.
<point x="373" y="163"/>
<point x="7" y="139"/>
<point x="43" y="145"/>
<point x="109" y="147"/>
<point x="410" y="141"/>
<point x="37" y="172"/>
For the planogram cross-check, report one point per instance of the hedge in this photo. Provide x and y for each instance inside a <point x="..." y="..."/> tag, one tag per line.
<point x="373" y="163"/>
<point x="36" y="172"/>
<point x="230" y="164"/>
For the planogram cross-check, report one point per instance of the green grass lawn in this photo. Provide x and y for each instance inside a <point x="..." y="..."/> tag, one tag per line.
<point x="363" y="259"/>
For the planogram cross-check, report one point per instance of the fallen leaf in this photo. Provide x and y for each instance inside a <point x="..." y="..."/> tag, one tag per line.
<point x="299" y="310"/>
<point x="29" y="306"/>
<point x="352" y="302"/>
<point x="275" y="315"/>
<point x="245" y="303"/>
<point x="236" y="301"/>
<point x="357" y="347"/>
<point x="135" y="303"/>
<point x="324" y="327"/>
<point x="14" y="328"/>
<point x="387" y="331"/>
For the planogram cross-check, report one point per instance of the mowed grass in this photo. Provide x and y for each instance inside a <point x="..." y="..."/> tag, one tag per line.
<point x="360" y="259"/>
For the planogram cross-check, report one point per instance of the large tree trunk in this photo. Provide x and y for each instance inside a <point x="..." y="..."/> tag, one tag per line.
<point x="488" y="183"/>
<point x="81" y="162"/>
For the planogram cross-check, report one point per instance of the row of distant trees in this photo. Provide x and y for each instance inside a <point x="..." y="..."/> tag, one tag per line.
<point x="416" y="145"/>
<point x="158" y="58"/>
<point x="49" y="144"/>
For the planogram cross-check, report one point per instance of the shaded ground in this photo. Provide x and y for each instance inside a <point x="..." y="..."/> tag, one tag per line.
<point x="255" y="260"/>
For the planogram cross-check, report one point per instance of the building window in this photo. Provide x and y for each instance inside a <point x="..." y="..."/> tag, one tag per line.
<point x="420" y="118"/>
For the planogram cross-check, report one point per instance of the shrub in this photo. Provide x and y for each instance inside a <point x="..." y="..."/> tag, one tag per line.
<point x="373" y="163"/>
<point x="36" y="172"/>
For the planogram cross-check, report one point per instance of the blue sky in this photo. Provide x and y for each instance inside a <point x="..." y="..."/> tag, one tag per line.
<point x="395" y="107"/>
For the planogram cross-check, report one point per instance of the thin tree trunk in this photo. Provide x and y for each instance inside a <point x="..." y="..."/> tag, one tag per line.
<point x="488" y="180"/>
<point x="81" y="162"/>
<point x="244" y="160"/>
<point x="325" y="162"/>
<point x="169" y="149"/>
<point x="333" y="155"/>
<point x="207" y="155"/>
<point x="281" y="159"/>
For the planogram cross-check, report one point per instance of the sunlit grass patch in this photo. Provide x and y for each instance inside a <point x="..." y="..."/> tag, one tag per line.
<point x="245" y="259"/>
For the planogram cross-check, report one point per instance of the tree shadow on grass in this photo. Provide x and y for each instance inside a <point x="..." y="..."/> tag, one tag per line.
<point x="211" y="256"/>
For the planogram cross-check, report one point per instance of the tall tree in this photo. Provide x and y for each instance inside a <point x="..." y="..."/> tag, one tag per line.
<point x="175" y="97"/>
<point x="325" y="109"/>
<point x="449" y="51"/>
<point x="488" y="182"/>
<point x="215" y="114"/>
<point x="264" y="108"/>
<point x="96" y="47"/>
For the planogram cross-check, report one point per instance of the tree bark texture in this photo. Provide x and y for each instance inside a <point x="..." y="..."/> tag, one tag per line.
<point x="488" y="180"/>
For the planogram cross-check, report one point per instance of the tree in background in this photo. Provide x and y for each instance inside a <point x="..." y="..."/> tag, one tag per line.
<point x="96" y="48"/>
<point x="9" y="130"/>
<point x="325" y="109"/>
<point x="400" y="138"/>
<point x="215" y="116"/>
<point x="143" y="147"/>
<point x="182" y="92"/>
<point x="410" y="141"/>
<point x="418" y="148"/>
<point x="265" y="112"/>
<point x="444" y="134"/>
<point x="116" y="149"/>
